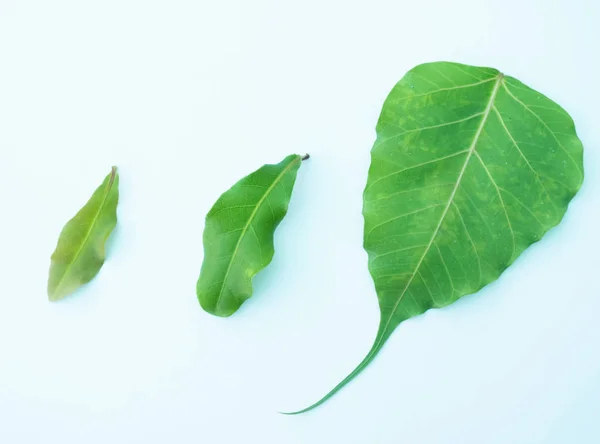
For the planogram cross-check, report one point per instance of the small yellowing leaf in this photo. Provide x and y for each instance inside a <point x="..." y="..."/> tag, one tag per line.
<point x="80" y="254"/>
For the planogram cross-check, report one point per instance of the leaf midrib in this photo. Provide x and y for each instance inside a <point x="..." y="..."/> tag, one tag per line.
<point x="486" y="113"/>
<point x="249" y="223"/>
<point x="89" y="232"/>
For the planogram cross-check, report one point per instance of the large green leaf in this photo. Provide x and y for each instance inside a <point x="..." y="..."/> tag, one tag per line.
<point x="469" y="168"/>
<point x="80" y="254"/>
<point x="238" y="236"/>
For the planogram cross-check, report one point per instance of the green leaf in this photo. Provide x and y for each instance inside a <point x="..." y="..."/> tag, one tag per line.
<point x="469" y="168"/>
<point x="238" y="236"/>
<point x="79" y="254"/>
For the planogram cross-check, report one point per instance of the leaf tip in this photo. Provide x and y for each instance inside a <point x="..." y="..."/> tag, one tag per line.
<point x="292" y="413"/>
<point x="299" y="412"/>
<point x="53" y="296"/>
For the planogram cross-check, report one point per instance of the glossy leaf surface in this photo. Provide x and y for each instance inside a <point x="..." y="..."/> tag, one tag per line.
<point x="238" y="236"/>
<point x="80" y="253"/>
<point x="469" y="168"/>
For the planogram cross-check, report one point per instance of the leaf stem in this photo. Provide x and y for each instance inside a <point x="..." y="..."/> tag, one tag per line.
<point x="359" y="368"/>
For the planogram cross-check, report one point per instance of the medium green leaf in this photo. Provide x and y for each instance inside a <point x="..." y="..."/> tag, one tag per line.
<point x="238" y="236"/>
<point x="469" y="168"/>
<point x="80" y="254"/>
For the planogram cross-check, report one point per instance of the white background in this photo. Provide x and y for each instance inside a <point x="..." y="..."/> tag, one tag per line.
<point x="188" y="96"/>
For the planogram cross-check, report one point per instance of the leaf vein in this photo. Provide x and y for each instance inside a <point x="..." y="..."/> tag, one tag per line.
<point x="445" y="266"/>
<point x="470" y="85"/>
<point x="462" y="220"/>
<point x="512" y="233"/>
<point x="397" y="251"/>
<point x="439" y="159"/>
<point x="420" y="210"/>
<point x="425" y="128"/>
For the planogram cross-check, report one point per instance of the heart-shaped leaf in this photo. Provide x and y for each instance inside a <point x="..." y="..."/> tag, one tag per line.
<point x="238" y="236"/>
<point x="80" y="254"/>
<point x="469" y="168"/>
